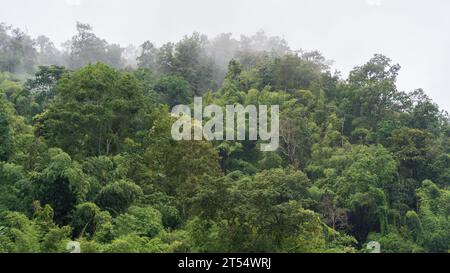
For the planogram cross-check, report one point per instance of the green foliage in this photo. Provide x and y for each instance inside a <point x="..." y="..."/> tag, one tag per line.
<point x="62" y="185"/>
<point x="56" y="239"/>
<point x="174" y="90"/>
<point x="11" y="178"/>
<point x="18" y="234"/>
<point x="118" y="196"/>
<point x="88" y="219"/>
<point x="6" y="138"/>
<point x="17" y="53"/>
<point x="394" y="243"/>
<point x="410" y="147"/>
<point x="39" y="91"/>
<point x="130" y="243"/>
<point x="87" y="154"/>
<point x="94" y="112"/>
<point x="258" y="215"/>
<point x="85" y="47"/>
<point x="434" y="214"/>
<point x="142" y="221"/>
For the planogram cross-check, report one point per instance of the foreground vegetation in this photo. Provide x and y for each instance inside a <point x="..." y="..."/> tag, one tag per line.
<point x="86" y="152"/>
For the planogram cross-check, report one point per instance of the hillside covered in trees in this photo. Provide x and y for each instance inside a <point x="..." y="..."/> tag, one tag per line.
<point x="86" y="152"/>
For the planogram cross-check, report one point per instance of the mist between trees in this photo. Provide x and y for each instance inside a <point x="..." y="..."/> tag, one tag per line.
<point x="86" y="151"/>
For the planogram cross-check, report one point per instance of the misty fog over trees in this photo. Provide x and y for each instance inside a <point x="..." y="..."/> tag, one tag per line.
<point x="195" y="53"/>
<point x="86" y="152"/>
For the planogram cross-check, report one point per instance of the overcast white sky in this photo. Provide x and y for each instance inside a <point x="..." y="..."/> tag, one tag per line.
<point x="414" y="33"/>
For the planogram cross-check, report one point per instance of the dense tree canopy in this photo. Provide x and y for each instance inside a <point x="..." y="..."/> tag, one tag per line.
<point x="86" y="151"/>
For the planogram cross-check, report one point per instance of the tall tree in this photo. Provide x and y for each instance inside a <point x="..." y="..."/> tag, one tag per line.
<point x="94" y="111"/>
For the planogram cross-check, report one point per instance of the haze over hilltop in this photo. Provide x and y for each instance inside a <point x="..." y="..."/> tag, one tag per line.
<point x="348" y="32"/>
